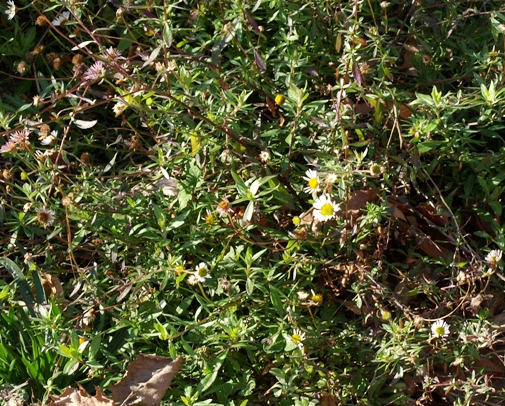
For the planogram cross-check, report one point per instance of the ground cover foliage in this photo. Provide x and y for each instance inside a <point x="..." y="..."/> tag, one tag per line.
<point x="303" y="199"/>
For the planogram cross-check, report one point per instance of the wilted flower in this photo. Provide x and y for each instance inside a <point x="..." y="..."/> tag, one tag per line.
<point x="376" y="169"/>
<point x="6" y="174"/>
<point x="37" y="100"/>
<point x="462" y="277"/>
<point x="312" y="181"/>
<point x="302" y="296"/>
<point x="95" y="72"/>
<point x="264" y="156"/>
<point x="223" y="208"/>
<point x="226" y="156"/>
<point x="171" y="66"/>
<point x="297" y="338"/>
<point x="494" y="258"/>
<point x="45" y="216"/>
<point x="11" y="10"/>
<point x="28" y="258"/>
<point x="112" y="54"/>
<point x="192" y="280"/>
<point x="330" y="178"/>
<point x="66" y="201"/>
<point x="300" y="234"/>
<point x="324" y="208"/>
<point x="119" y="107"/>
<point x="9" y="146"/>
<point x="225" y="284"/>
<point x="41" y="20"/>
<point x="202" y="272"/>
<point x="440" y="329"/>
<point x="22" y="67"/>
<point x="20" y="137"/>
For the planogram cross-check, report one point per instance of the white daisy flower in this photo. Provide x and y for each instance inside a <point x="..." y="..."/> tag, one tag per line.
<point x="61" y="19"/>
<point x="11" y="10"/>
<point x="325" y="208"/>
<point x="312" y="181"/>
<point x="297" y="338"/>
<point x="202" y="272"/>
<point x="440" y="329"/>
<point x="51" y="139"/>
<point x="493" y="258"/>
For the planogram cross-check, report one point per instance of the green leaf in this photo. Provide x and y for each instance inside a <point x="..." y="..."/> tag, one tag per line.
<point x="41" y="294"/>
<point x="279" y="374"/>
<point x="4" y="292"/>
<point x="167" y="34"/>
<point x="483" y="184"/>
<point x="468" y="186"/>
<point x="95" y="346"/>
<point x="424" y="100"/>
<point x="206" y="382"/>
<point x="424" y="147"/>
<point x="19" y="278"/>
<point x="239" y="184"/>
<point x="275" y="298"/>
<point x="496" y="206"/>
<point x="196" y="145"/>
<point x="249" y="286"/>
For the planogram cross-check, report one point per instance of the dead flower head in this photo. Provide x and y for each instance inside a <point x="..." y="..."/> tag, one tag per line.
<point x="45" y="216"/>
<point x="223" y="208"/>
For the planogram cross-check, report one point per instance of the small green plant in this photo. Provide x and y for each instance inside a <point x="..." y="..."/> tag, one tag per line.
<point x="303" y="200"/>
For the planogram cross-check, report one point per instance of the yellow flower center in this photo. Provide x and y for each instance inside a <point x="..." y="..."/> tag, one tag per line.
<point x="327" y="209"/>
<point x="202" y="272"/>
<point x="313" y="183"/>
<point x="179" y="269"/>
<point x="440" y="330"/>
<point x="318" y="299"/>
<point x="223" y="205"/>
<point x="296" y="339"/>
<point x="209" y="220"/>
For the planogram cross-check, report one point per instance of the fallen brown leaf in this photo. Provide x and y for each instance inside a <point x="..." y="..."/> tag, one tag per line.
<point x="408" y="65"/>
<point x="79" y="397"/>
<point x="51" y="284"/>
<point x="359" y="199"/>
<point x="271" y="106"/>
<point x="328" y="400"/>
<point x="146" y="381"/>
<point x="144" y="384"/>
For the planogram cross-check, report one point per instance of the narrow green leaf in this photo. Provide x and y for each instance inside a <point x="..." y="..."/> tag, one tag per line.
<point x="496" y="206"/>
<point x="240" y="184"/>
<point x="19" y="278"/>
<point x="206" y="382"/>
